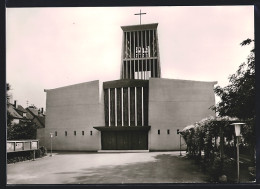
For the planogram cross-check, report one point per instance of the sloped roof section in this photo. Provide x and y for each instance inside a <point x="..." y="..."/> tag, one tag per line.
<point x="21" y="109"/>
<point x="13" y="112"/>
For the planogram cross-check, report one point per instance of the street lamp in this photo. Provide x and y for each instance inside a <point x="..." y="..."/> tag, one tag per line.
<point x="51" y="135"/>
<point x="179" y="133"/>
<point x="237" y="132"/>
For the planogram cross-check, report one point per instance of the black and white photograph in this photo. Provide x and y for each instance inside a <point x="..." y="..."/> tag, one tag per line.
<point x="130" y="95"/>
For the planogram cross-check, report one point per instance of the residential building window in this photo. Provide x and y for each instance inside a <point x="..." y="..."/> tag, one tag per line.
<point x="90" y="132"/>
<point x="159" y="131"/>
<point x="66" y="133"/>
<point x="82" y="132"/>
<point x="168" y="131"/>
<point x="56" y="133"/>
<point x="75" y="133"/>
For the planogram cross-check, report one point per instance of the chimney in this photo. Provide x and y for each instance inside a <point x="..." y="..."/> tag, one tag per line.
<point x="39" y="112"/>
<point x="15" y="103"/>
<point x="42" y="111"/>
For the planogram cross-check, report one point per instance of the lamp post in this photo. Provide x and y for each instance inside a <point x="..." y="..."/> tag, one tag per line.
<point x="179" y="133"/>
<point x="237" y="132"/>
<point x="51" y="135"/>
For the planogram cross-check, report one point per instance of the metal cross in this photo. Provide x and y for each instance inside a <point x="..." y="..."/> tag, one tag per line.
<point x="140" y="15"/>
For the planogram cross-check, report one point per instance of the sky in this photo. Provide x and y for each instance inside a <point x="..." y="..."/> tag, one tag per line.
<point x="54" y="47"/>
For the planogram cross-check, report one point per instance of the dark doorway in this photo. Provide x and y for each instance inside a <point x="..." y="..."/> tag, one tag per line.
<point x="124" y="140"/>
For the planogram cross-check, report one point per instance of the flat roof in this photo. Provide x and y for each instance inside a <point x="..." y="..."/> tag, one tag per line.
<point x="140" y="27"/>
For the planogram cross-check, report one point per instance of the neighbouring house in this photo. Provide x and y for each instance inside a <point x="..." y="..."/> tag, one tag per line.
<point x="17" y="113"/>
<point x="36" y="115"/>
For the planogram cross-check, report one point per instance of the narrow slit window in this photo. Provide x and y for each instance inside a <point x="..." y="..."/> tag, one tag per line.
<point x="82" y="133"/>
<point x="56" y="133"/>
<point x="66" y="133"/>
<point x="168" y="131"/>
<point x="159" y="131"/>
<point x="90" y="132"/>
<point x="75" y="133"/>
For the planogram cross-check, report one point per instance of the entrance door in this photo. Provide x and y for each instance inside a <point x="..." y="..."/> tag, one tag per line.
<point x="124" y="140"/>
<point x="108" y="140"/>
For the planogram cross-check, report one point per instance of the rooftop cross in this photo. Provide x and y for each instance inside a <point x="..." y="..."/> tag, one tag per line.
<point x="140" y="15"/>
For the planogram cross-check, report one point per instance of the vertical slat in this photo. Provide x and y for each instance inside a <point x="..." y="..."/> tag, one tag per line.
<point x="128" y="90"/>
<point x="138" y="69"/>
<point x="156" y="68"/>
<point x="112" y="106"/>
<point x="119" y="106"/>
<point x="106" y="103"/>
<point x="153" y="68"/>
<point x="153" y="44"/>
<point x="130" y="69"/>
<point x="122" y="106"/>
<point x="139" y="106"/>
<point x="127" y="74"/>
<point x="125" y="106"/>
<point x="150" y="44"/>
<point x="145" y="42"/>
<point x="130" y="55"/>
<point x="142" y="54"/>
<point x="115" y="107"/>
<point x="135" y="108"/>
<point x="134" y="54"/>
<point x="130" y="41"/>
<point x="145" y="102"/>
<point x="138" y="55"/>
<point x="150" y="68"/>
<point x="142" y="106"/>
<point x="109" y="120"/>
<point x="132" y="106"/>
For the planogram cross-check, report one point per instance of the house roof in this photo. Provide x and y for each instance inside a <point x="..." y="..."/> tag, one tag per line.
<point x="34" y="111"/>
<point x="21" y="109"/>
<point x="33" y="114"/>
<point x="13" y="112"/>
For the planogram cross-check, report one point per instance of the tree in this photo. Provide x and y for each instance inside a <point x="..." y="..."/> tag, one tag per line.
<point x="9" y="117"/>
<point x="238" y="97"/>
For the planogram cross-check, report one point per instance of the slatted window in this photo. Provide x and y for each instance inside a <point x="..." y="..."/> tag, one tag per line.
<point x="75" y="133"/>
<point x="90" y="132"/>
<point x="66" y="133"/>
<point x="159" y="132"/>
<point x="56" y="133"/>
<point x="82" y="133"/>
<point x="168" y="131"/>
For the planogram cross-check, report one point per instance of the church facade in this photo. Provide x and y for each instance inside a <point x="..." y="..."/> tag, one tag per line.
<point x="140" y="111"/>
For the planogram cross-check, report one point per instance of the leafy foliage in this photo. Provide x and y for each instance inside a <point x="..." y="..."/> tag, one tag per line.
<point x="238" y="98"/>
<point x="205" y="137"/>
<point x="19" y="131"/>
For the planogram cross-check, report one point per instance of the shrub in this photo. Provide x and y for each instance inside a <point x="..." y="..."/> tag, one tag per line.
<point x="14" y="157"/>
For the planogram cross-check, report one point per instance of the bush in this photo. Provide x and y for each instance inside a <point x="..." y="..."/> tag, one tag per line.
<point x="15" y="157"/>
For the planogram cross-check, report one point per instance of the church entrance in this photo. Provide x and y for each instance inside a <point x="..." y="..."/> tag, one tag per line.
<point x="124" y="140"/>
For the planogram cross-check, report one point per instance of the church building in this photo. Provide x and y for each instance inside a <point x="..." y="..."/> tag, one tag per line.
<point x="140" y="111"/>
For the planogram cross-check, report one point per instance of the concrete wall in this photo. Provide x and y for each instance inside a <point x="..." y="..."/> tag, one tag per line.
<point x="74" y="108"/>
<point x="174" y="104"/>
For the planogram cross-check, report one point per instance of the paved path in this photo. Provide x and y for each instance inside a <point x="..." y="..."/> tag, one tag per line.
<point x="100" y="168"/>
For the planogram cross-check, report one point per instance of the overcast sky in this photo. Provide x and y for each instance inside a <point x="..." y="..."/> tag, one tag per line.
<point x="54" y="47"/>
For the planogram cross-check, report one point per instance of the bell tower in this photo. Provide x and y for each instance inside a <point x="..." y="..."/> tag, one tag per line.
<point x="140" y="52"/>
